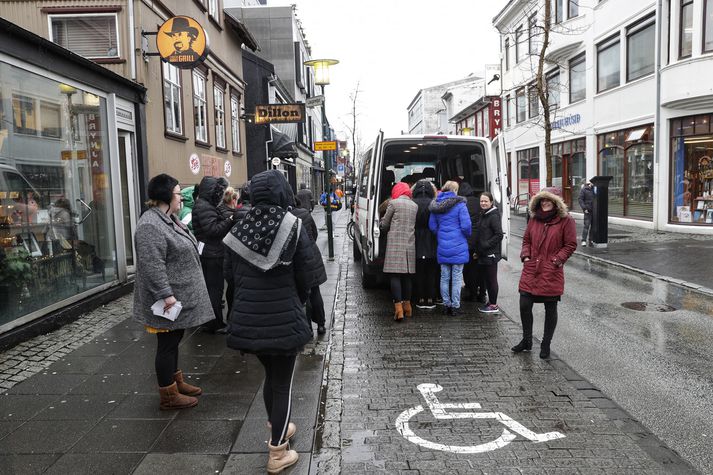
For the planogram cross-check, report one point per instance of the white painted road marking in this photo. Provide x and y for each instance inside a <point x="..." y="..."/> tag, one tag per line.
<point x="439" y="411"/>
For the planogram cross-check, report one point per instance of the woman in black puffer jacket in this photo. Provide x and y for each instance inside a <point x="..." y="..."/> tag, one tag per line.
<point x="489" y="235"/>
<point x="274" y="264"/>
<point x="427" y="271"/>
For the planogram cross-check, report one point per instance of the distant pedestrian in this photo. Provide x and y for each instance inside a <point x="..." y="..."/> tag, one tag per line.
<point x="586" y="202"/>
<point x="227" y="208"/>
<point x="450" y="222"/>
<point x="550" y="239"/>
<point x="427" y="272"/>
<point x="210" y="227"/>
<point x="244" y="205"/>
<point x="489" y="236"/>
<point x="168" y="270"/>
<point x="472" y="273"/>
<point x="306" y="198"/>
<point x="400" y="258"/>
<point x="274" y="265"/>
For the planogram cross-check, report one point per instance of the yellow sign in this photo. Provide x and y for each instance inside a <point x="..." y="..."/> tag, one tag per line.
<point x="283" y="113"/>
<point x="182" y="42"/>
<point x="78" y="154"/>
<point x="325" y="146"/>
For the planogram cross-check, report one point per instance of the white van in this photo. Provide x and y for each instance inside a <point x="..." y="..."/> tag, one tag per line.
<point x="440" y="158"/>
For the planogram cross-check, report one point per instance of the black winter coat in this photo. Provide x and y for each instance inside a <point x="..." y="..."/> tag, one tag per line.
<point x="209" y="225"/>
<point x="268" y="314"/>
<point x="586" y="198"/>
<point x="423" y="194"/>
<point x="489" y="236"/>
<point x="473" y="205"/>
<point x="307" y="222"/>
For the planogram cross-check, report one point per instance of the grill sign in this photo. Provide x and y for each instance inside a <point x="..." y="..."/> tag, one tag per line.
<point x="283" y="113"/>
<point x="182" y="42"/>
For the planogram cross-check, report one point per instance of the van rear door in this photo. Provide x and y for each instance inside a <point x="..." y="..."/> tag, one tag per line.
<point x="497" y="183"/>
<point x="372" y="231"/>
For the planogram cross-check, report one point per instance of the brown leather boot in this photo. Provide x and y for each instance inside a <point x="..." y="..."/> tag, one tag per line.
<point x="184" y="387"/>
<point x="398" y="311"/>
<point x="408" y="312"/>
<point x="291" y="429"/>
<point x="280" y="457"/>
<point x="172" y="399"/>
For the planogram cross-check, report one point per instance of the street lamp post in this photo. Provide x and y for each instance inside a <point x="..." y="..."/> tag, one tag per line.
<point x="321" y="78"/>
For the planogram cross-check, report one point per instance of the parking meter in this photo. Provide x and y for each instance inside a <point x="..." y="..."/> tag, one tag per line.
<point x="600" y="211"/>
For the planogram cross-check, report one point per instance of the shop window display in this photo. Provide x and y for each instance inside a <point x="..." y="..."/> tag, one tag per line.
<point x="57" y="236"/>
<point x="692" y="170"/>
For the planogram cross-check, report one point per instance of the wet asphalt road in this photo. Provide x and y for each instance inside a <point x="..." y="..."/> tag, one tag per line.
<point x="656" y="365"/>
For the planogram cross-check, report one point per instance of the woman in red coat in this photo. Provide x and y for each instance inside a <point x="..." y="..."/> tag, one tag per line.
<point x="550" y="238"/>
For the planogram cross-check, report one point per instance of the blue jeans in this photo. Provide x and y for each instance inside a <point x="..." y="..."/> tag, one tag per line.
<point x="451" y="280"/>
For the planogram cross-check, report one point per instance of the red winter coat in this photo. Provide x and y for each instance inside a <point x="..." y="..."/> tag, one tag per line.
<point x="548" y="245"/>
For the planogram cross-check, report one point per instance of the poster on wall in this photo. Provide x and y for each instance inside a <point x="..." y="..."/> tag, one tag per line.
<point x="194" y="163"/>
<point x="227" y="168"/>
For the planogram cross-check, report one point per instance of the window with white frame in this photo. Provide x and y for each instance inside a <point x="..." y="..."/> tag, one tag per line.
<point x="534" y="100"/>
<point x="577" y="78"/>
<point x="520" y="105"/>
<point x="92" y="35"/>
<point x="518" y="40"/>
<point x="685" y="24"/>
<point x="219" y="107"/>
<point x="235" y="123"/>
<point x="32" y="116"/>
<point x="200" y="107"/>
<point x="214" y="9"/>
<point x="553" y="88"/>
<point x="508" y="99"/>
<point x="172" y="99"/>
<point x="708" y="26"/>
<point x="507" y="54"/>
<point x="640" y="43"/>
<point x="531" y="33"/>
<point x="608" y="69"/>
<point x="573" y="8"/>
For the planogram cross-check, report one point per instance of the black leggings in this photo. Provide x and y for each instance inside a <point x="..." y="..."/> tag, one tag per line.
<point x="214" y="281"/>
<point x="277" y="393"/>
<point x="167" y="356"/>
<point x="316" y="304"/>
<point x="401" y="287"/>
<point x="490" y="279"/>
<point x="426" y="278"/>
<point x="526" y="303"/>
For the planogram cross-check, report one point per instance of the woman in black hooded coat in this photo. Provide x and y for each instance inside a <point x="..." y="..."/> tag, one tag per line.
<point x="274" y="264"/>
<point x="427" y="275"/>
<point x="472" y="274"/>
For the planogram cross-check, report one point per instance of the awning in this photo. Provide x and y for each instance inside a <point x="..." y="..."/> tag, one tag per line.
<point x="242" y="31"/>
<point x="283" y="144"/>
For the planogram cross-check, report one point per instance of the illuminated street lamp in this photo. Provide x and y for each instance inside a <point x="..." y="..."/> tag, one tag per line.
<point x="321" y="78"/>
<point x="466" y="130"/>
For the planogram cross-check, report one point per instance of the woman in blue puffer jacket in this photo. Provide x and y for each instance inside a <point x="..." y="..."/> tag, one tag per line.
<point x="451" y="223"/>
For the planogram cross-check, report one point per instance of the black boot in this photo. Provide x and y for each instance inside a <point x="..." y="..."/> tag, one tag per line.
<point x="524" y="345"/>
<point x="545" y="350"/>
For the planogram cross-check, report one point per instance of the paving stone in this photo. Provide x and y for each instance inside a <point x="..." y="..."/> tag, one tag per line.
<point x="198" y="464"/>
<point x="91" y="464"/>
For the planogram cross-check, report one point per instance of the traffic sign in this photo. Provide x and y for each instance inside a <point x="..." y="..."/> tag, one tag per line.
<point x="325" y="146"/>
<point x="276" y="161"/>
<point x="315" y="101"/>
<point x="340" y="169"/>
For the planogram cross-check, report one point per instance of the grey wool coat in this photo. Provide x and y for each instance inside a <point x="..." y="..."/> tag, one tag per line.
<point x="167" y="263"/>
<point x="400" y="222"/>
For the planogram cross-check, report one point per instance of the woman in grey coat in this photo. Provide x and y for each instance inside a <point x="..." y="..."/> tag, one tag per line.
<point x="168" y="269"/>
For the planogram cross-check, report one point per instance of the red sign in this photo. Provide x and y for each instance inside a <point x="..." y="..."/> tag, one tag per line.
<point x="495" y="114"/>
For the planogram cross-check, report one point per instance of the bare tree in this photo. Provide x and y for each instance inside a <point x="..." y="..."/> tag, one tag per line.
<point x="352" y="126"/>
<point x="543" y="92"/>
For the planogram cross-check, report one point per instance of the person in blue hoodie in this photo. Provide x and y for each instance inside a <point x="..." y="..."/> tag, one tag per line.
<point x="451" y="224"/>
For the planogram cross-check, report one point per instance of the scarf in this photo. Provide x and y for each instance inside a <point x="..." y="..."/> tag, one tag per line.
<point x="545" y="216"/>
<point x="266" y="236"/>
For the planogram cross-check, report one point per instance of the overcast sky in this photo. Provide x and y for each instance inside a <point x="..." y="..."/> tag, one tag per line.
<point x="394" y="48"/>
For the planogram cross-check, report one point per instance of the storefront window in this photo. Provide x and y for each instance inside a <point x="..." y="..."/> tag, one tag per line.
<point x="569" y="165"/>
<point x="57" y="235"/>
<point x="692" y="170"/>
<point x="528" y="174"/>
<point x="627" y="156"/>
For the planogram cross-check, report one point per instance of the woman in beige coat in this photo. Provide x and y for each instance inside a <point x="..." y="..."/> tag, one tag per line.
<point x="400" y="260"/>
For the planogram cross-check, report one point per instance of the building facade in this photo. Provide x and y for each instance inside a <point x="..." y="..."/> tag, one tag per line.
<point x="69" y="176"/>
<point x="624" y="84"/>
<point x="432" y="107"/>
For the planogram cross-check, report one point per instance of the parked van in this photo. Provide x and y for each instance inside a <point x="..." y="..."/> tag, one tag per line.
<point x="409" y="158"/>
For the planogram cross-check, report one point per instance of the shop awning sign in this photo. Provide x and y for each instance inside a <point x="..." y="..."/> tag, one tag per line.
<point x="279" y="113"/>
<point x="325" y="146"/>
<point x="182" y="42"/>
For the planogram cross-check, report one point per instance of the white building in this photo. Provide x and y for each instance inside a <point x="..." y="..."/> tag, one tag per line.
<point x="624" y="106"/>
<point x="430" y="109"/>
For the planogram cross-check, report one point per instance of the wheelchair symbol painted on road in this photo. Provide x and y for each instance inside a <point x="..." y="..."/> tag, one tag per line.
<point x="440" y="411"/>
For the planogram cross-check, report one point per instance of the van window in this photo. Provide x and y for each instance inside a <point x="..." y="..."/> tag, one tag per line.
<point x="435" y="160"/>
<point x="366" y="163"/>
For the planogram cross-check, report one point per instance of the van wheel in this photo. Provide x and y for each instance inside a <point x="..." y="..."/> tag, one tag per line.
<point x="368" y="281"/>
<point x="355" y="250"/>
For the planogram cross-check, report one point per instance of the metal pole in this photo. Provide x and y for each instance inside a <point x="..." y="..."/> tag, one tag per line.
<point x="327" y="184"/>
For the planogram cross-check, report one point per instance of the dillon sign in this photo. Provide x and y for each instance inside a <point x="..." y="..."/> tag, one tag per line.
<point x="282" y="113"/>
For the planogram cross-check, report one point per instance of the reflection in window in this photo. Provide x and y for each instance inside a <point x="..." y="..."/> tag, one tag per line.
<point x="235" y="123"/>
<point x="708" y="26"/>
<point x="577" y="79"/>
<point x="685" y="47"/>
<point x="520" y="105"/>
<point x="172" y="98"/>
<point x="553" y="88"/>
<point x="24" y="117"/>
<point x="608" y="64"/>
<point x="640" y="56"/>
<point x="200" y="108"/>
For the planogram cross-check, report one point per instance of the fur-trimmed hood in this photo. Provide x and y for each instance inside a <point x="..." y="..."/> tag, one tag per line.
<point x="444" y="202"/>
<point x="550" y="194"/>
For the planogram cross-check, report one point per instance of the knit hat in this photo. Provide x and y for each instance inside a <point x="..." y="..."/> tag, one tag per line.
<point x="161" y="188"/>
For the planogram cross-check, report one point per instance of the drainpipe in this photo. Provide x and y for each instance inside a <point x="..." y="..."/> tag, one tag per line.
<point x="132" y="40"/>
<point x="657" y="118"/>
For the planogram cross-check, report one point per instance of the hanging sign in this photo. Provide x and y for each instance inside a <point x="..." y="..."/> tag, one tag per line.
<point x="284" y="113"/>
<point x="182" y="42"/>
<point x="330" y="145"/>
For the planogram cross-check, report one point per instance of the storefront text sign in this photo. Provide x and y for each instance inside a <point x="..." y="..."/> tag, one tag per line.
<point x="325" y="146"/>
<point x="284" y="113"/>
<point x="568" y="121"/>
<point x="182" y="42"/>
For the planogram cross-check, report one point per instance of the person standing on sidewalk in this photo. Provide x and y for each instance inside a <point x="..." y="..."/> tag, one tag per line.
<point x="306" y="198"/>
<point x="227" y="208"/>
<point x="450" y="222"/>
<point x="472" y="273"/>
<point x="168" y="269"/>
<point x="550" y="239"/>
<point x="274" y="265"/>
<point x="586" y="202"/>
<point x="210" y="227"/>
<point x="489" y="235"/>
<point x="426" y="278"/>
<point x="400" y="259"/>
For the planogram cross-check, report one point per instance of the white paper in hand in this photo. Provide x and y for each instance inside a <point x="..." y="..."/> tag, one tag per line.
<point x="171" y="313"/>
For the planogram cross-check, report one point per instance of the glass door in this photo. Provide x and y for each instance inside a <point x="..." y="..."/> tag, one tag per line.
<point x="128" y="192"/>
